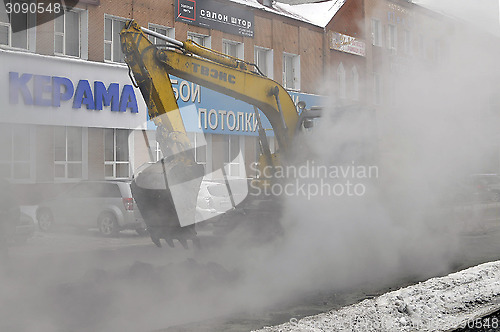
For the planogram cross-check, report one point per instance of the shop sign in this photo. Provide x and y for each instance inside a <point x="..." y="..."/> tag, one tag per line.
<point x="51" y="91"/>
<point x="215" y="15"/>
<point x="205" y="110"/>
<point x="60" y="91"/>
<point x="348" y="44"/>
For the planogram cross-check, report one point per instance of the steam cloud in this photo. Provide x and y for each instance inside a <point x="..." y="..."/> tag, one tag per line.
<point x="438" y="129"/>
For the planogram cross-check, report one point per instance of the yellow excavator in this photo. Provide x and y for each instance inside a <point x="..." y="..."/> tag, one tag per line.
<point x="166" y="192"/>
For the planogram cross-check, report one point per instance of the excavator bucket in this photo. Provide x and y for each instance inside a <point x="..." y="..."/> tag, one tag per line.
<point x="166" y="193"/>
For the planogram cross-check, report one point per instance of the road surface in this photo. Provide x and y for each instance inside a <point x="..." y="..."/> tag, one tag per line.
<point x="79" y="280"/>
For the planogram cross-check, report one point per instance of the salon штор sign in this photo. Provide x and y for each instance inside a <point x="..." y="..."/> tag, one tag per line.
<point x="216" y="15"/>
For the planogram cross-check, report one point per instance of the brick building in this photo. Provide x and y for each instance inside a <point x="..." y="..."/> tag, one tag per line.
<point x="57" y="125"/>
<point x="54" y="131"/>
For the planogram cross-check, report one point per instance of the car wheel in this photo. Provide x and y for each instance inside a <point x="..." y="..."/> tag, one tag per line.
<point x="107" y="224"/>
<point x="45" y="220"/>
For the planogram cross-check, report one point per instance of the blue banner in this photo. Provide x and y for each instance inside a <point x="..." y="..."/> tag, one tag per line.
<point x="204" y="110"/>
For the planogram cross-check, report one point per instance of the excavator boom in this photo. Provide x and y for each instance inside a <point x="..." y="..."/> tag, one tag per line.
<point x="151" y="66"/>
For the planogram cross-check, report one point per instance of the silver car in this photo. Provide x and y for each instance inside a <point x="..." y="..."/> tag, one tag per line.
<point x="214" y="198"/>
<point x="107" y="205"/>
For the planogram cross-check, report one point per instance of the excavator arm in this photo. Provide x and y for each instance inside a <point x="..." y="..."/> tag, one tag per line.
<point x="151" y="66"/>
<point x="166" y="192"/>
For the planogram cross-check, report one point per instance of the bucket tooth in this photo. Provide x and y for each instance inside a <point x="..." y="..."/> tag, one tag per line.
<point x="183" y="241"/>
<point x="170" y="242"/>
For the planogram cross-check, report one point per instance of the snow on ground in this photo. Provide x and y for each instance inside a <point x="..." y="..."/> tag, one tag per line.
<point x="438" y="304"/>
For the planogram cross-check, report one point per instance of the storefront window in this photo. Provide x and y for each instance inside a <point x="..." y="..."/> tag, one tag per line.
<point x="112" y="46"/>
<point x="199" y="144"/>
<point x="15" y="152"/>
<point x="67" y="33"/>
<point x="156" y="151"/>
<point x="231" y="155"/>
<point x="116" y="153"/>
<point x="68" y="152"/>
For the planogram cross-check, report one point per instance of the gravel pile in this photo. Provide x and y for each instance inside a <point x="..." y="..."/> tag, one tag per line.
<point x="438" y="304"/>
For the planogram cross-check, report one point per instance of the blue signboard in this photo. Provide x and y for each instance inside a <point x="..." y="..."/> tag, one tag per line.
<point x="204" y="110"/>
<point x="50" y="91"/>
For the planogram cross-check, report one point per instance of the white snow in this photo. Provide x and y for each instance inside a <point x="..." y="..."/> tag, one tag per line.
<point x="438" y="304"/>
<point x="319" y="14"/>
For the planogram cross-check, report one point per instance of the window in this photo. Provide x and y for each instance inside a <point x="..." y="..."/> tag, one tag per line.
<point x="15" y="152"/>
<point x="355" y="83"/>
<point x="421" y="46"/>
<point x="154" y="152"/>
<point x="391" y="81"/>
<point x="377" y="89"/>
<point x="16" y="34"/>
<point x="232" y="48"/>
<point x="69" y="36"/>
<point x="202" y="40"/>
<point x="407" y="42"/>
<point x="199" y="144"/>
<point x="232" y="156"/>
<point x="68" y="152"/>
<point x="376" y="33"/>
<point x="392" y="41"/>
<point x="162" y="30"/>
<point x="116" y="153"/>
<point x="263" y="58"/>
<point x="341" y="81"/>
<point x="291" y="71"/>
<point x="438" y="51"/>
<point x="112" y="47"/>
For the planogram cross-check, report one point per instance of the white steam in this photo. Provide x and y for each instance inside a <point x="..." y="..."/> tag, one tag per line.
<point x="438" y="129"/>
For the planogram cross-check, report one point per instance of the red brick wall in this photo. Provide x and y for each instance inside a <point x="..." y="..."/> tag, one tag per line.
<point x="349" y="20"/>
<point x="279" y="33"/>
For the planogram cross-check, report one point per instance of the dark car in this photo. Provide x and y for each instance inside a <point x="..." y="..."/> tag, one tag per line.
<point x="107" y="205"/>
<point x="24" y="229"/>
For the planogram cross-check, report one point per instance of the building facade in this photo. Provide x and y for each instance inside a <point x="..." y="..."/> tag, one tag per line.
<point x="69" y="110"/>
